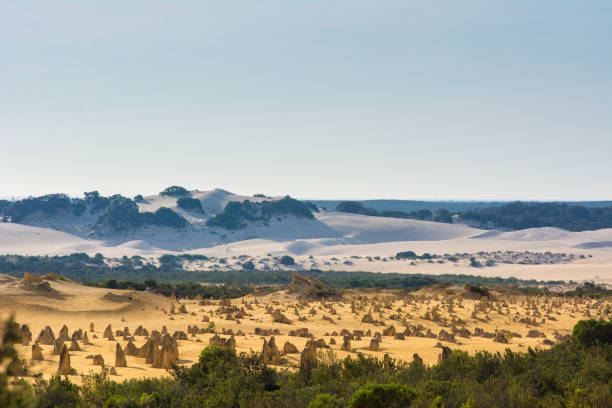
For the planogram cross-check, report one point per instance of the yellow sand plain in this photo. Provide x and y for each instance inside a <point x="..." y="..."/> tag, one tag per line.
<point x="433" y="309"/>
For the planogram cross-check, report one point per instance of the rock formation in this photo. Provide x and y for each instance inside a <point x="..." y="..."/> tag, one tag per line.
<point x="26" y="335"/>
<point x="446" y="354"/>
<point x="346" y="344"/>
<point x="64" y="363"/>
<point x="130" y="349"/>
<point x="270" y="353"/>
<point x="308" y="286"/>
<point x="289" y="348"/>
<point x="63" y="333"/>
<point x="46" y="336"/>
<point x="57" y="347"/>
<point x="308" y="358"/>
<point x="120" y="360"/>
<point x="74" y="345"/>
<point x="98" y="360"/>
<point x="37" y="354"/>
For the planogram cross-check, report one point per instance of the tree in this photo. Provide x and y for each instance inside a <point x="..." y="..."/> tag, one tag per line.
<point x="121" y="214"/>
<point x="175" y="191"/>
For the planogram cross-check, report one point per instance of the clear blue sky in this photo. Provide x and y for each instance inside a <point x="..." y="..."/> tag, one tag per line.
<point x="318" y="99"/>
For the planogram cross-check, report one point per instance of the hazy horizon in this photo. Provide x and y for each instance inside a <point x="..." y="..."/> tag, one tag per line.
<point x="328" y="100"/>
<point x="467" y="200"/>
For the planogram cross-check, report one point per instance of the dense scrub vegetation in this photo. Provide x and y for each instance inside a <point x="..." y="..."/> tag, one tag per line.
<point x="182" y="289"/>
<point x="518" y="215"/>
<point x="512" y="216"/>
<point x="355" y="207"/>
<point x="235" y="215"/>
<point x="190" y="204"/>
<point x="121" y="214"/>
<point x="575" y="373"/>
<point x="4" y="203"/>
<point x="87" y="269"/>
<point x="116" y="212"/>
<point x="48" y="205"/>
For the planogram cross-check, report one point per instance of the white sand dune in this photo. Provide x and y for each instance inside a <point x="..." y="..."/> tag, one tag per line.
<point x="369" y="230"/>
<point x="329" y="234"/>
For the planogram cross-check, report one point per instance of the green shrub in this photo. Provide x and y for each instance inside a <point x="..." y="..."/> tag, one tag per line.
<point x="477" y="289"/>
<point x="590" y="332"/>
<point x="382" y="396"/>
<point x="164" y="217"/>
<point x="57" y="392"/>
<point x="325" y="401"/>
<point x="406" y="255"/>
<point x="287" y="260"/>
<point x="190" y="204"/>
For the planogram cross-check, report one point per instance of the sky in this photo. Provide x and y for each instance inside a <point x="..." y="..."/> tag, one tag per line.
<point x="495" y="100"/>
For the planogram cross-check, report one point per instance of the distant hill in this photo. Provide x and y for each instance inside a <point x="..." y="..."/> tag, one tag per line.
<point x="505" y="216"/>
<point x="452" y="206"/>
<point x="175" y="207"/>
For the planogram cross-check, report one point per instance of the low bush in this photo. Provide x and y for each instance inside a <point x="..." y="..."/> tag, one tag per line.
<point x="287" y="260"/>
<point x="190" y="204"/>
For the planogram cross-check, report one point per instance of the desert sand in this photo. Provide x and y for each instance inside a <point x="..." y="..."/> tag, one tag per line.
<point x="394" y="323"/>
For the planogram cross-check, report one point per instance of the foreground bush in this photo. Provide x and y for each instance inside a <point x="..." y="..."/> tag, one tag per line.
<point x="382" y="396"/>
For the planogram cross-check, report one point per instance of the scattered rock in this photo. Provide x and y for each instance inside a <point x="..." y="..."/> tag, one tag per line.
<point x="37" y="354"/>
<point x="289" y="348"/>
